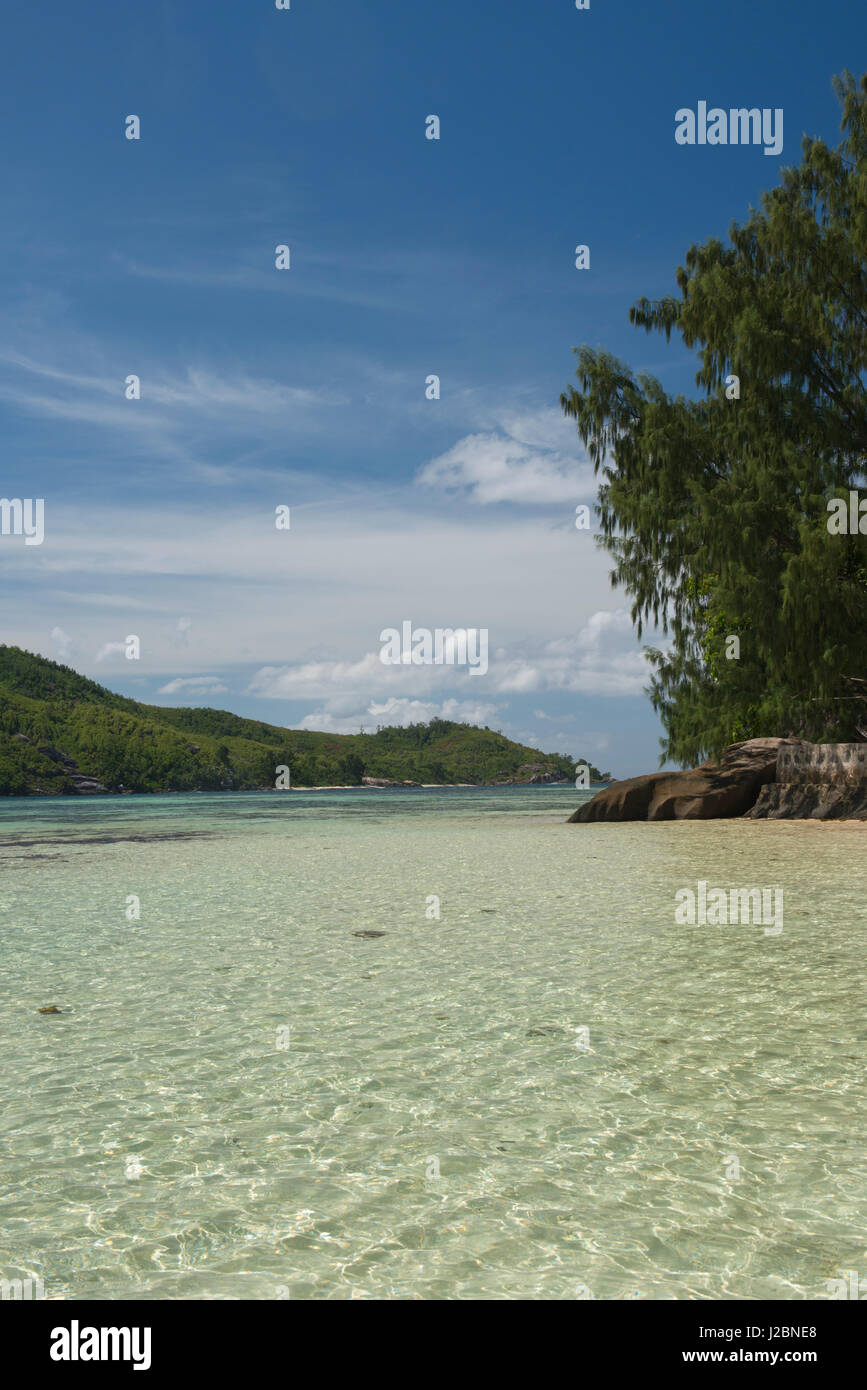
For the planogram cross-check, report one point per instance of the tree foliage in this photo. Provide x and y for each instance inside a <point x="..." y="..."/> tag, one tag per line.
<point x="715" y="510"/>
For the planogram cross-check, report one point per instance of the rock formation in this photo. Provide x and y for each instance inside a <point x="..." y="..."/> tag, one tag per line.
<point x="82" y="782"/>
<point x="816" y="781"/>
<point x="533" y="775"/>
<point x="386" y="782"/>
<point x="764" y="778"/>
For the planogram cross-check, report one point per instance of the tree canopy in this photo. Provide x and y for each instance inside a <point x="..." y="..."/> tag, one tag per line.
<point x="715" y="510"/>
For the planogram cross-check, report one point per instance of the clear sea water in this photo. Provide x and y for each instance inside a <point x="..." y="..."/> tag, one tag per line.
<point x="165" y="1136"/>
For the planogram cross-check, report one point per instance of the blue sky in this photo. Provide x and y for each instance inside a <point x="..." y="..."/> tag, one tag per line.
<point x="306" y="387"/>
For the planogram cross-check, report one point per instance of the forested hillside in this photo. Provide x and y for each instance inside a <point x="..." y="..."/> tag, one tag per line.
<point x="60" y="732"/>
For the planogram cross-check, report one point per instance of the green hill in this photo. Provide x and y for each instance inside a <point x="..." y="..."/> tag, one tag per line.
<point x="61" y="733"/>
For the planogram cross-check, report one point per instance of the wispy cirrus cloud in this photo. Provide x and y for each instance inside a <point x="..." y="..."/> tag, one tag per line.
<point x="191" y="393"/>
<point x="331" y="279"/>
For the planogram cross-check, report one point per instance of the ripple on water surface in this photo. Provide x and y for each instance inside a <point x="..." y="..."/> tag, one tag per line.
<point x="287" y="1077"/>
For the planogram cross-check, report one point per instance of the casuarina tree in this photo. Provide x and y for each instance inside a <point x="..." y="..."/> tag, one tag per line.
<point x="719" y="511"/>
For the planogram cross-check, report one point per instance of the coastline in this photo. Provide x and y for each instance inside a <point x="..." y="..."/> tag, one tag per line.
<point x="324" y="787"/>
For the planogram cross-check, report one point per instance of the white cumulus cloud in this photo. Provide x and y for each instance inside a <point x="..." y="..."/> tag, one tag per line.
<point x="194" y="685"/>
<point x="398" y="711"/>
<point x="532" y="459"/>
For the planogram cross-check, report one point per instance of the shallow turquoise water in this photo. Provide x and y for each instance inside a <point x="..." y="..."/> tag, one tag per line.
<point x="160" y="1140"/>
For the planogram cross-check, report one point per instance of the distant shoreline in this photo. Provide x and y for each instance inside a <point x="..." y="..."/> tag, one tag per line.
<point x="331" y="787"/>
